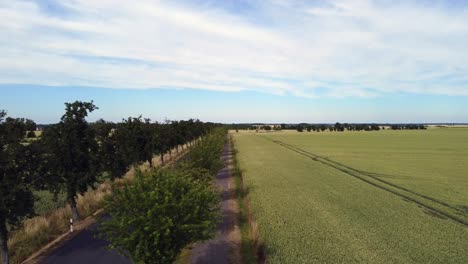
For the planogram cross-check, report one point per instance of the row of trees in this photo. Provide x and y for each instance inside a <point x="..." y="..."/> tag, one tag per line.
<point x="407" y="126"/>
<point x="73" y="155"/>
<point x="328" y="127"/>
<point x="357" y="127"/>
<point x="167" y="209"/>
<point x="338" y="127"/>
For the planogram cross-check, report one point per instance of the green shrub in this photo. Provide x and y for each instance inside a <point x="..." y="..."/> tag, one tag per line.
<point x="199" y="174"/>
<point x="31" y="134"/>
<point x="46" y="201"/>
<point x="207" y="151"/>
<point x="159" y="214"/>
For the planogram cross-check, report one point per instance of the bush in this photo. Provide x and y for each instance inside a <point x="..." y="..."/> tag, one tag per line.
<point x="199" y="174"/>
<point x="159" y="214"/>
<point x="31" y="134"/>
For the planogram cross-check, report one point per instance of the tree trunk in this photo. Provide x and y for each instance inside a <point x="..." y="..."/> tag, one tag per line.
<point x="162" y="159"/>
<point x="177" y="150"/>
<point x="170" y="154"/>
<point x="150" y="161"/>
<point x="74" y="209"/>
<point x="3" y="242"/>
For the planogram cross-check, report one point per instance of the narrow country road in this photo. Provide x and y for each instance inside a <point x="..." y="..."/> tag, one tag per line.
<point x="84" y="248"/>
<point x="225" y="247"/>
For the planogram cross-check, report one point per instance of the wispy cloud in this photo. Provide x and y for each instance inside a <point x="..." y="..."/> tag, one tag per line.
<point x="335" y="48"/>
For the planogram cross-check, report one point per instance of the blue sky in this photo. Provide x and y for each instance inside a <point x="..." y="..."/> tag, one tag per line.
<point x="237" y="61"/>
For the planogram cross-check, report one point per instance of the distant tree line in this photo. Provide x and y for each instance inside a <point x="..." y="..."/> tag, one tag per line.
<point x="337" y="127"/>
<point x="407" y="126"/>
<point x="328" y="127"/>
<point x="73" y="155"/>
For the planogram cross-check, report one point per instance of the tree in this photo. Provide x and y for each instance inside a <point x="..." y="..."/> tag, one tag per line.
<point x="375" y="127"/>
<point x="31" y="134"/>
<point x="30" y="125"/>
<point x="16" y="199"/>
<point x="162" y="212"/>
<point x="162" y="138"/>
<point x="72" y="150"/>
<point x="299" y="128"/>
<point x="339" y="127"/>
<point x="111" y="156"/>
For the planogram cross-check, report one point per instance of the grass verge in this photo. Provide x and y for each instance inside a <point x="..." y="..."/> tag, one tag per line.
<point x="252" y="246"/>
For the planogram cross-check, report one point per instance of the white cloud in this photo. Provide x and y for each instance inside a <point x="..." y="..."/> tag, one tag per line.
<point x="342" y="49"/>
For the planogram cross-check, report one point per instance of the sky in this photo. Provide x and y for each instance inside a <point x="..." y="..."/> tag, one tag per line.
<point x="236" y="60"/>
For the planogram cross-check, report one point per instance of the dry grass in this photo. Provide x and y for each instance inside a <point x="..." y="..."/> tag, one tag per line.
<point x="40" y="230"/>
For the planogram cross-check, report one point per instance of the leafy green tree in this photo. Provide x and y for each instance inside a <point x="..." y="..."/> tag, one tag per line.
<point x="31" y="134"/>
<point x="206" y="152"/>
<point x="111" y="156"/>
<point x="16" y="160"/>
<point x="339" y="127"/>
<point x="72" y="149"/>
<point x="133" y="140"/>
<point x="162" y="212"/>
<point x="162" y="140"/>
<point x="178" y="134"/>
<point x="30" y="125"/>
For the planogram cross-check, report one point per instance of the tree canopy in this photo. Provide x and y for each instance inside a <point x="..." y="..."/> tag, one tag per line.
<point x="16" y="171"/>
<point x="72" y="149"/>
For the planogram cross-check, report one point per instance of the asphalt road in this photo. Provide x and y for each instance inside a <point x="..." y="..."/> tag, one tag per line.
<point x="85" y="248"/>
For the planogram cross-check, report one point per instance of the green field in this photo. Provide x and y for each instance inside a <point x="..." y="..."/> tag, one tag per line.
<point x="359" y="197"/>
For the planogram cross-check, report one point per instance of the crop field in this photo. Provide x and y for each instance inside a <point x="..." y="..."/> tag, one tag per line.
<point x="359" y="197"/>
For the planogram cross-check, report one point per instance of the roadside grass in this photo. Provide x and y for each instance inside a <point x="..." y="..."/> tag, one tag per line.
<point x="252" y="248"/>
<point x="54" y="215"/>
<point x="310" y="212"/>
<point x="184" y="256"/>
<point x="42" y="229"/>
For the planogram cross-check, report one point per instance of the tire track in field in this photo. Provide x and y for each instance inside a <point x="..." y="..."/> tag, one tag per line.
<point x="438" y="207"/>
<point x="372" y="175"/>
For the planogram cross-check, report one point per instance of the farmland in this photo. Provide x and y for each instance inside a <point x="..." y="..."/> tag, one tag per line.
<point x="347" y="197"/>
